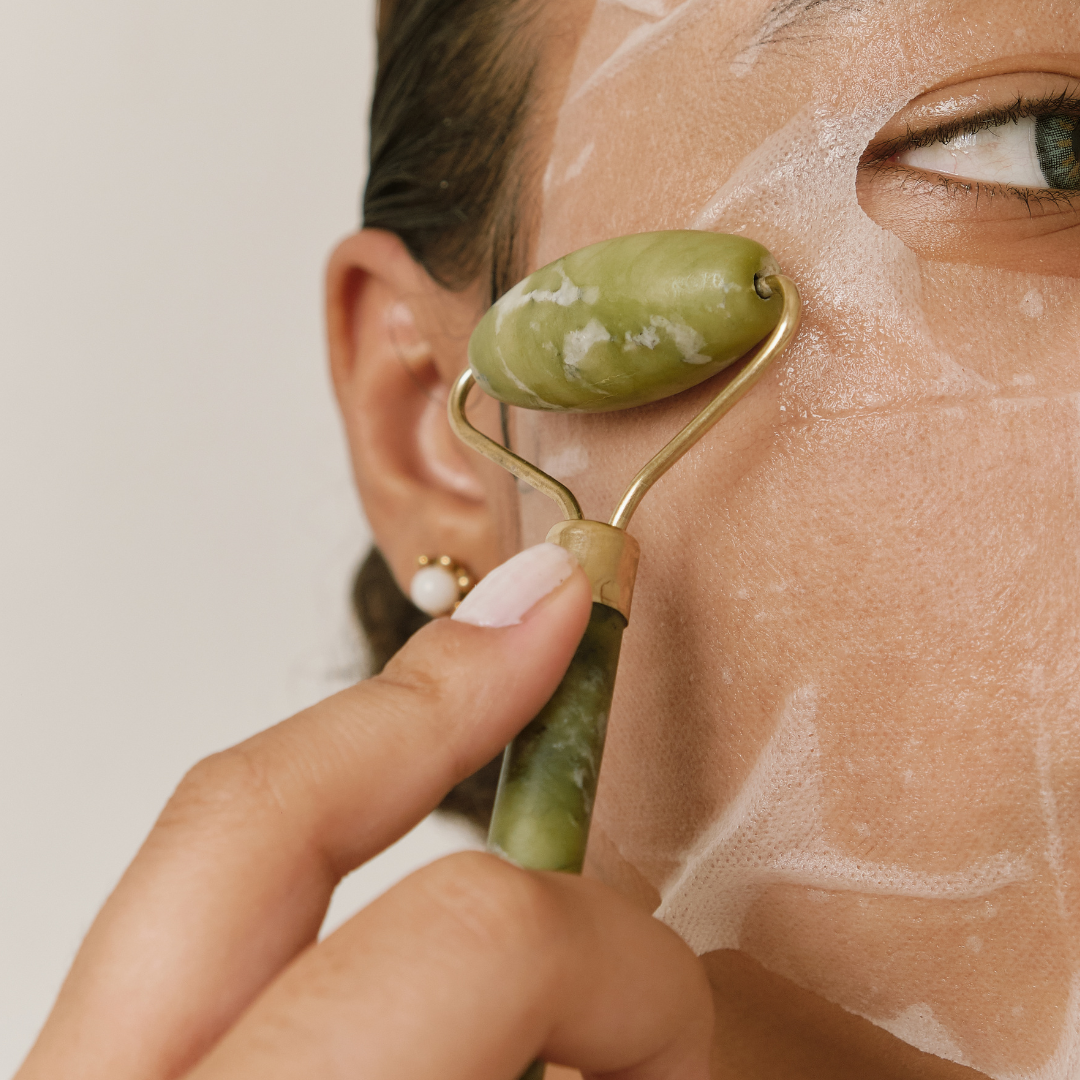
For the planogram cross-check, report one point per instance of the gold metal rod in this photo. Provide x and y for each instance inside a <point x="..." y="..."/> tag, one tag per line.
<point x="751" y="372"/>
<point x="561" y="495"/>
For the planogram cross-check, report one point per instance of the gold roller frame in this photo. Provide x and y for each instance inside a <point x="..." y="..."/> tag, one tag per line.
<point x="547" y="787"/>
<point x="605" y="557"/>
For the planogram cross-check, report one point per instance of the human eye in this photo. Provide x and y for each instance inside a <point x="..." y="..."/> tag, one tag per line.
<point x="985" y="171"/>
<point x="1009" y="134"/>
<point x="1028" y="145"/>
<point x="1038" y="150"/>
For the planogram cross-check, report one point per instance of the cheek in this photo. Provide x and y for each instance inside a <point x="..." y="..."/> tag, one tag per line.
<point x="901" y="586"/>
<point x="597" y="455"/>
<point x="845" y="733"/>
<point x="1017" y="332"/>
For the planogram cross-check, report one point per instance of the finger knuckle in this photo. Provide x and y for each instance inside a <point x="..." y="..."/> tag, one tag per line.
<point x="488" y="904"/>
<point x="238" y="783"/>
<point x="425" y="667"/>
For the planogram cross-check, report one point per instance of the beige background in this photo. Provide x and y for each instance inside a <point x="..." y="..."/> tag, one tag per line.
<point x="178" y="523"/>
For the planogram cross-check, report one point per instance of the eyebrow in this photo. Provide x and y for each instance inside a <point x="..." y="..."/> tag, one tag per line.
<point x="786" y="15"/>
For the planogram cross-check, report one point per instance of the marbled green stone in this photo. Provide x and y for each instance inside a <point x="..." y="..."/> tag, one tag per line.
<point x="548" y="784"/>
<point x="625" y="322"/>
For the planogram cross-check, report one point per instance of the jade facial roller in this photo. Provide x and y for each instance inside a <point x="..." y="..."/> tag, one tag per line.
<point x="615" y="325"/>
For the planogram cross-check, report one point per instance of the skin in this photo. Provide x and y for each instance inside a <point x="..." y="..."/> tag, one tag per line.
<point x="900" y="541"/>
<point x="841" y="535"/>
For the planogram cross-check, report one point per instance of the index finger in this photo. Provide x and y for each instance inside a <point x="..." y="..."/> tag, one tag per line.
<point x="466" y="971"/>
<point x="234" y="879"/>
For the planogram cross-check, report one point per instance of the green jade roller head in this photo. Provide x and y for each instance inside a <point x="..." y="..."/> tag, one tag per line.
<point x="615" y="325"/>
<point x="625" y="322"/>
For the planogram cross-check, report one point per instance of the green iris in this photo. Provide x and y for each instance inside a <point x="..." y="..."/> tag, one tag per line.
<point x="1057" y="142"/>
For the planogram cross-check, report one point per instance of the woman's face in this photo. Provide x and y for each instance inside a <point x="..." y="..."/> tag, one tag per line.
<point x="845" y="737"/>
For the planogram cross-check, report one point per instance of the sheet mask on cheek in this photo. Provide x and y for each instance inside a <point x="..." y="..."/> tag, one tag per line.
<point x="845" y="739"/>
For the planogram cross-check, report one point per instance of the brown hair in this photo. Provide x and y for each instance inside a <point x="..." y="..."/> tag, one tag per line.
<point x="447" y="123"/>
<point x="448" y="120"/>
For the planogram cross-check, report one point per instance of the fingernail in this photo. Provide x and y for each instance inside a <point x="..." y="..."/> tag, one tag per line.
<point x="503" y="597"/>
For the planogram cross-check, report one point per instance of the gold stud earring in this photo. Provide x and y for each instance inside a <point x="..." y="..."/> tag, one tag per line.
<point x="439" y="584"/>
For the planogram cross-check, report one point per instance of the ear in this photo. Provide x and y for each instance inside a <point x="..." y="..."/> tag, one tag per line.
<point x="397" y="341"/>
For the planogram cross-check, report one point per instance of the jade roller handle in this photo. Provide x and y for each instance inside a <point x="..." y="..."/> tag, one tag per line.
<point x="543" y="806"/>
<point x="549" y="773"/>
<point x="547" y="788"/>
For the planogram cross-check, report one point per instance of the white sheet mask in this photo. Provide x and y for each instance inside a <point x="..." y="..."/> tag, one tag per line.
<point x="623" y="31"/>
<point x="707" y="900"/>
<point x="846" y="736"/>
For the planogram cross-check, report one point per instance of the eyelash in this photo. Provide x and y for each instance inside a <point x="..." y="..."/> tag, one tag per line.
<point x="1066" y="103"/>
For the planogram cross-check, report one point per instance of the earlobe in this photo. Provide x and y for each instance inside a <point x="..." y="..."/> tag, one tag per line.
<point x="392" y="359"/>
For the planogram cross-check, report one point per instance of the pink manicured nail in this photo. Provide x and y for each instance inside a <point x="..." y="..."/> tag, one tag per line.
<point x="503" y="597"/>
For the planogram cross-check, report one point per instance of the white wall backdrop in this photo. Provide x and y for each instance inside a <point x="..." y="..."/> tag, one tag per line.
<point x="177" y="523"/>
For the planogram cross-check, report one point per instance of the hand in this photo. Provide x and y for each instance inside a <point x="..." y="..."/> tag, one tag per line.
<point x="205" y="963"/>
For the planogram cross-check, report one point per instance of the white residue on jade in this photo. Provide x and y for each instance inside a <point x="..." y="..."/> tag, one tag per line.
<point x="508" y="371"/>
<point x="647" y="339"/>
<point x="687" y="340"/>
<point x="566" y="294"/>
<point x="578" y="342"/>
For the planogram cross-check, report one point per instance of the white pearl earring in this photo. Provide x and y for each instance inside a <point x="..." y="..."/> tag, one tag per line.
<point x="439" y="585"/>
